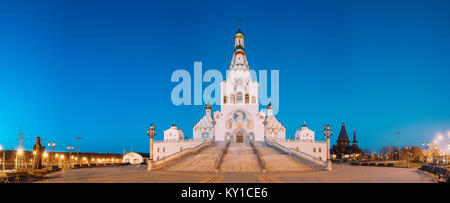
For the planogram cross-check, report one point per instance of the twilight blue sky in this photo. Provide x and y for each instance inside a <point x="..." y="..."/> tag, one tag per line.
<point x="101" y="69"/>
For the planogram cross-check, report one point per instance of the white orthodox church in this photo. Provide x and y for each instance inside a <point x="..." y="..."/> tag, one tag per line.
<point x="304" y="134"/>
<point x="240" y="119"/>
<point x="173" y="134"/>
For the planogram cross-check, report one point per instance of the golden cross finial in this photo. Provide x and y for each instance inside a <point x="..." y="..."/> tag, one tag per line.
<point x="239" y="20"/>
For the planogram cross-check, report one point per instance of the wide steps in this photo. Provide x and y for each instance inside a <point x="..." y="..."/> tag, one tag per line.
<point x="276" y="161"/>
<point x="240" y="158"/>
<point x="203" y="161"/>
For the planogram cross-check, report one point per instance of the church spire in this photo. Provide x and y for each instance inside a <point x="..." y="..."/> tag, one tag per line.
<point x="354" y="137"/>
<point x="343" y="138"/>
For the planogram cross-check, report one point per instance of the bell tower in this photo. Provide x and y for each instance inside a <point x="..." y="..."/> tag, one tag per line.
<point x="239" y="60"/>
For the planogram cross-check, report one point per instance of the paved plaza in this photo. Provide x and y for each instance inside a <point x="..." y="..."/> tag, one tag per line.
<point x="340" y="174"/>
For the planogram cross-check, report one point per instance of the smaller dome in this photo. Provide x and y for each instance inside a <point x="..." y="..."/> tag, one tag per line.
<point x="239" y="32"/>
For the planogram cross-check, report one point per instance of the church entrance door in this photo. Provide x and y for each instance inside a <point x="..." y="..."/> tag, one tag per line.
<point x="239" y="138"/>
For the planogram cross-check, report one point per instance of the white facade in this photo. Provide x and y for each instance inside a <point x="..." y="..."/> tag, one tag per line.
<point x="132" y="158"/>
<point x="317" y="149"/>
<point x="304" y="135"/>
<point x="173" y="134"/>
<point x="239" y="119"/>
<point x="166" y="148"/>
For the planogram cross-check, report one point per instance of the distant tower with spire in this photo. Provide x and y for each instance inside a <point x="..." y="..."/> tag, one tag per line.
<point x="354" y="142"/>
<point x="343" y="150"/>
<point x="343" y="137"/>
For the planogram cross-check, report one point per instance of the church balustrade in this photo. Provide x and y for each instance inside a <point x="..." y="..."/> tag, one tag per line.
<point x="185" y="140"/>
<point x="301" y="141"/>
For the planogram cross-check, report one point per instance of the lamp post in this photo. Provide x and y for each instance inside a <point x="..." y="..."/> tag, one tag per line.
<point x="426" y="151"/>
<point x="61" y="158"/>
<point x="407" y="156"/>
<point x="327" y="132"/>
<point x="441" y="138"/>
<point x="448" y="149"/>
<point x="3" y="159"/>
<point x="44" y="158"/>
<point x="433" y="150"/>
<point x="19" y="156"/>
<point x="52" y="145"/>
<point x="70" y="148"/>
<point x="151" y="133"/>
<point x="78" y="146"/>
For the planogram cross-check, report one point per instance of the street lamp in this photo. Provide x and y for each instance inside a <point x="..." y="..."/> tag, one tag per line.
<point x="19" y="156"/>
<point x="426" y="150"/>
<point x="45" y="155"/>
<point x="61" y="158"/>
<point x="440" y="137"/>
<point x="3" y="159"/>
<point x="78" y="145"/>
<point x="70" y="148"/>
<point x="151" y="133"/>
<point x="407" y="156"/>
<point x="328" y="132"/>
<point x="51" y="145"/>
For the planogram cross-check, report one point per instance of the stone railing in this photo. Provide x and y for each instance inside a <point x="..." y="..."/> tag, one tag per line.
<point x="300" y="141"/>
<point x="219" y="159"/>
<point x="166" y="161"/>
<point x="301" y="156"/>
<point x="184" y="140"/>
<point x="260" y="157"/>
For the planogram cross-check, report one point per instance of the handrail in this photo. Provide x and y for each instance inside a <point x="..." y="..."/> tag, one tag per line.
<point x="187" y="140"/>
<point x="260" y="157"/>
<point x="219" y="159"/>
<point x="301" y="141"/>
<point x="301" y="156"/>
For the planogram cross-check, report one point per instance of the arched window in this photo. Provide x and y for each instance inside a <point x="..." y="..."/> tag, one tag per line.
<point x="205" y="135"/>
<point x="225" y="99"/>
<point x="247" y="98"/>
<point x="239" y="97"/>
<point x="253" y="99"/>
<point x="272" y="135"/>
<point x="232" y="99"/>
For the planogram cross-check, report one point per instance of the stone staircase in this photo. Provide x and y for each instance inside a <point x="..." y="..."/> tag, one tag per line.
<point x="203" y="161"/>
<point x="276" y="161"/>
<point x="240" y="158"/>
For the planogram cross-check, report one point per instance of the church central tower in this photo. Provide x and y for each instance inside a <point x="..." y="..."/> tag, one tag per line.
<point x="239" y="119"/>
<point x="239" y="60"/>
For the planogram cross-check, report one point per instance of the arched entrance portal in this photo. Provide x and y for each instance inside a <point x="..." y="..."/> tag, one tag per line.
<point x="239" y="137"/>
